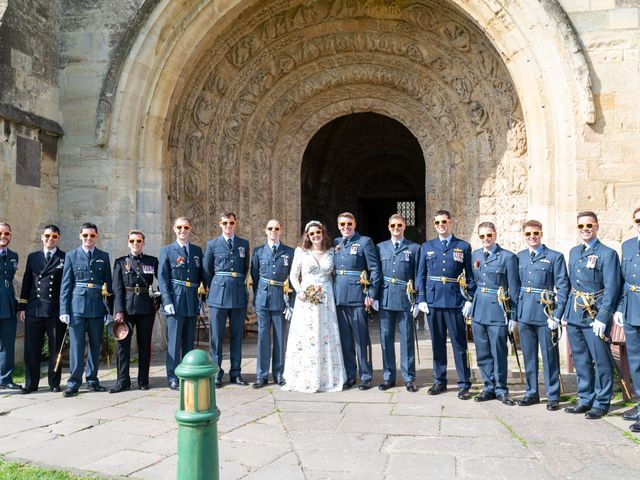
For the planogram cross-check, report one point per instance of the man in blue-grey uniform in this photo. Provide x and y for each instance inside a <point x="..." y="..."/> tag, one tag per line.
<point x="86" y="304"/>
<point x="399" y="264"/>
<point x="270" y="267"/>
<point x="8" y="309"/>
<point x="226" y="264"/>
<point x="628" y="314"/>
<point x="543" y="295"/>
<point x="494" y="311"/>
<point x="179" y="276"/>
<point x="442" y="260"/>
<point x="354" y="254"/>
<point x="596" y="284"/>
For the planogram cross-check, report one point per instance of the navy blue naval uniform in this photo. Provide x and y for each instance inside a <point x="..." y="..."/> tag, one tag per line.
<point x="40" y="300"/>
<point x="438" y="273"/>
<point x="8" y="321"/>
<point x="630" y="307"/>
<point x="352" y="256"/>
<point x="269" y="270"/>
<point x="595" y="270"/>
<point x="81" y="298"/>
<point x="179" y="275"/>
<point x="226" y="268"/>
<point x="498" y="269"/>
<point x="546" y="270"/>
<point x="399" y="265"/>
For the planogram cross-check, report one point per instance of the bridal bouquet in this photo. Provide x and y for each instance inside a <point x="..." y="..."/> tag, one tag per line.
<point x="314" y="294"/>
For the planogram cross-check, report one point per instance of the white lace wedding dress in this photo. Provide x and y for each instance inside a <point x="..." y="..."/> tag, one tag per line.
<point x="314" y="355"/>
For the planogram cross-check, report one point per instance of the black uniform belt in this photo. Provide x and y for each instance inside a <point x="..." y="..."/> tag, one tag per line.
<point x="137" y="290"/>
<point x="442" y="279"/>
<point x="395" y="281"/>
<point x="270" y="281"/>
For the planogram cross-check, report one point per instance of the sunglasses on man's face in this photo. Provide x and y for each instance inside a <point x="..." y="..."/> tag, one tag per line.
<point x="535" y="234"/>
<point x="224" y="223"/>
<point x="88" y="235"/>
<point x="315" y="233"/>
<point x="50" y="235"/>
<point x="346" y="224"/>
<point x="588" y="226"/>
<point x="275" y="229"/>
<point x="183" y="227"/>
<point x="396" y="225"/>
<point x="135" y="240"/>
<point x="440" y="222"/>
<point x="488" y="235"/>
<point x="637" y="220"/>
<point x="5" y="234"/>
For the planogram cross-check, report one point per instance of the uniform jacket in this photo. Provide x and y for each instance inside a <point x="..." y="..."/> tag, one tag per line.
<point x="226" y="291"/>
<point x="500" y="270"/>
<point x="172" y="265"/>
<point x="40" y="294"/>
<point x="8" y="267"/>
<point x="267" y="266"/>
<point x="592" y="270"/>
<point x="630" y="300"/>
<point x="127" y="273"/>
<point x="547" y="271"/>
<point x="356" y="255"/>
<point x="450" y="262"/>
<point x="79" y="301"/>
<point x="401" y="265"/>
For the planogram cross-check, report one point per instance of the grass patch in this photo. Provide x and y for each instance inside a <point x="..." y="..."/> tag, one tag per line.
<point x="513" y="433"/>
<point x="18" y="375"/>
<point x="572" y="399"/>
<point x="631" y="437"/>
<point x="18" y="471"/>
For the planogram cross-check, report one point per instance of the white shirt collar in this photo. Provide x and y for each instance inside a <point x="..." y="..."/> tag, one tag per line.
<point x="448" y="239"/>
<point x="52" y="251"/>
<point x="182" y="244"/>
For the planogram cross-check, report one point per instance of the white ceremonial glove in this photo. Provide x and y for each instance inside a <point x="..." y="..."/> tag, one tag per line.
<point x="618" y="317"/>
<point x="65" y="319"/>
<point x="424" y="308"/>
<point x="376" y="305"/>
<point x="108" y="318"/>
<point x="288" y="313"/>
<point x="415" y="310"/>
<point x="169" y="309"/>
<point x="598" y="328"/>
<point x="466" y="309"/>
<point x="512" y="325"/>
<point x="553" y="323"/>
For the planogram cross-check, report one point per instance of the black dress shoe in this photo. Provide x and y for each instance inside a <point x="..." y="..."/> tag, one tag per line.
<point x="96" y="387"/>
<point x="526" y="402"/>
<point x="348" y="384"/>
<point x="436" y="389"/>
<point x="55" y="389"/>
<point x="260" y="384"/>
<point x="635" y="427"/>
<point x="120" y="388"/>
<point x="70" y="392"/>
<point x="218" y="383"/>
<point x="506" y="399"/>
<point x="463" y="394"/>
<point x="386" y="385"/>
<point x="484" y="396"/>
<point x="553" y="405"/>
<point x="281" y="381"/>
<point x="411" y="387"/>
<point x="594" y="414"/>
<point x="26" y="391"/>
<point x="365" y="385"/>
<point x="11" y="386"/>
<point x="631" y="415"/>
<point x="577" y="409"/>
<point x="174" y="384"/>
<point x="239" y="381"/>
<point x="143" y="386"/>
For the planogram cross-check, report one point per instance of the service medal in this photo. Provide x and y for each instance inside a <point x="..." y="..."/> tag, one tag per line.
<point x="591" y="261"/>
<point x="458" y="255"/>
<point x="241" y="252"/>
<point x="285" y="260"/>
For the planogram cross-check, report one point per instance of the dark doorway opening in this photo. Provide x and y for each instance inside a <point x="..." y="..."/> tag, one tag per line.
<point x="370" y="165"/>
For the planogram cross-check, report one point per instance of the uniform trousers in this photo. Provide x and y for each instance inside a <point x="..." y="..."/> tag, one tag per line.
<point x="218" y="320"/>
<point x="144" y="328"/>
<point x="34" y="330"/>
<point x="491" y="352"/>
<point x="268" y="319"/>
<point x="530" y="337"/>
<point x="8" y="328"/>
<point x="632" y="335"/>
<point x="451" y="319"/>
<point x="356" y="343"/>
<point x="388" y="321"/>
<point x="78" y="327"/>
<point x="181" y="333"/>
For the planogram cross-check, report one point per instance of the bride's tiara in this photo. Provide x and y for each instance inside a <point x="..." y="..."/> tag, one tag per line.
<point x="312" y="223"/>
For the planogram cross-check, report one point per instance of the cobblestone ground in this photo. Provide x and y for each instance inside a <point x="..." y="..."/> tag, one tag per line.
<point x="355" y="434"/>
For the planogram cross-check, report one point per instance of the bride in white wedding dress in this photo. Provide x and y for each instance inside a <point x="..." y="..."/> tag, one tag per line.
<point x="314" y="355"/>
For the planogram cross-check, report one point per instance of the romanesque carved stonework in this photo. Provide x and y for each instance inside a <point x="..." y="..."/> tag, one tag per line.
<point x="282" y="70"/>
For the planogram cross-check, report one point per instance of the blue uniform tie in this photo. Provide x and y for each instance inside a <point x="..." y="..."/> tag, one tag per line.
<point x="47" y="257"/>
<point x="533" y="255"/>
<point x="396" y="245"/>
<point x="273" y="250"/>
<point x="230" y="244"/>
<point x="186" y="253"/>
<point x="444" y="243"/>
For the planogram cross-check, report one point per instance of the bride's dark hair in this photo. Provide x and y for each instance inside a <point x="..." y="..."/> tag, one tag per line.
<point x="305" y="242"/>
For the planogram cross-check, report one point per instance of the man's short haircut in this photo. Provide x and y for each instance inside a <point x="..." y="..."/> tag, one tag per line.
<point x="397" y="216"/>
<point x="442" y="212"/>
<point x="228" y="215"/>
<point x="136" y="232"/>
<point x="636" y="211"/>
<point x="53" y="228"/>
<point x="347" y="215"/>
<point x="587" y="214"/>
<point x="183" y="219"/>
<point x="89" y="226"/>
<point x="532" y="223"/>
<point x="272" y="220"/>
<point x="5" y="224"/>
<point x="487" y="225"/>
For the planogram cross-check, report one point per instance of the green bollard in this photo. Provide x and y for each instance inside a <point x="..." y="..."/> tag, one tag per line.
<point x="197" y="418"/>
